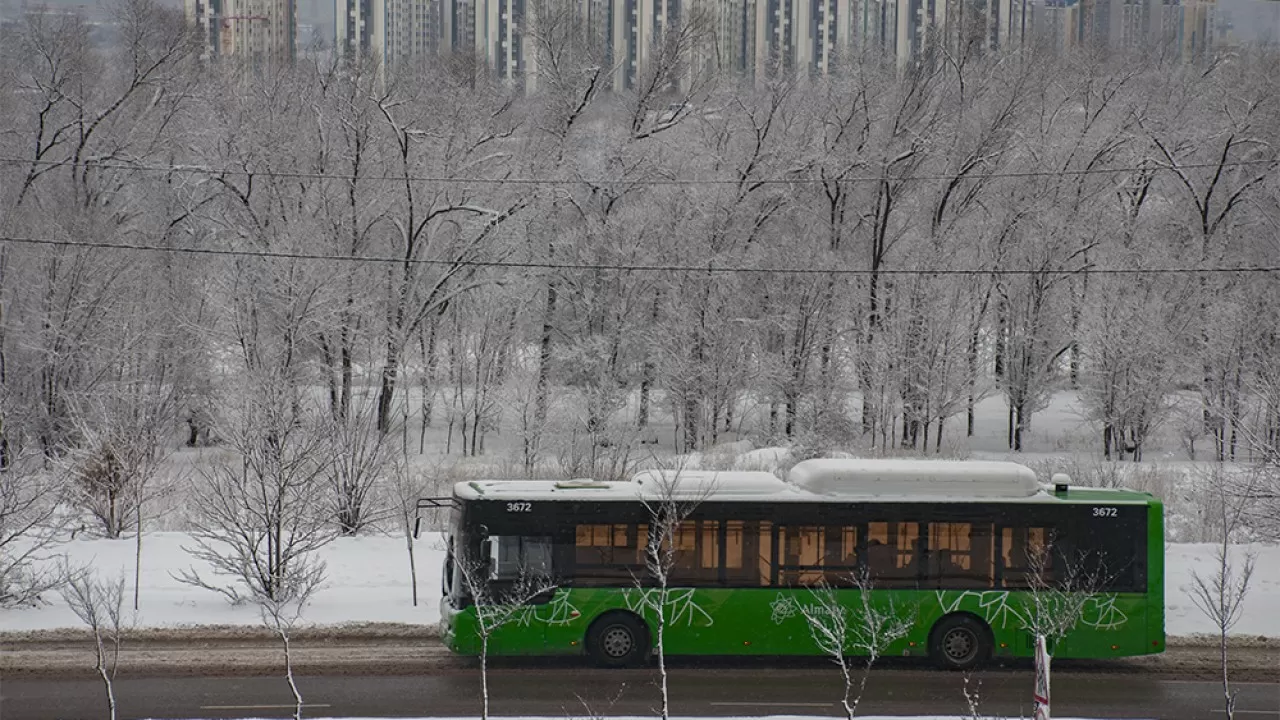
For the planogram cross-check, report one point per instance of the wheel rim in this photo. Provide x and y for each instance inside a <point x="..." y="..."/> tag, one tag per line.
<point x="960" y="645"/>
<point x="617" y="642"/>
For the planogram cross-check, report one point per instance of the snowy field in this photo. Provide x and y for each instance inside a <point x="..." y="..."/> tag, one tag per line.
<point x="368" y="581"/>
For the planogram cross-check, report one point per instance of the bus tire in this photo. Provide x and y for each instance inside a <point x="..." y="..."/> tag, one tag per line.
<point x="618" y="639"/>
<point x="960" y="641"/>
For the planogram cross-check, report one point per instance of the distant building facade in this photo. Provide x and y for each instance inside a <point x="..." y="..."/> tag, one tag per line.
<point x="258" y="32"/>
<point x="754" y="38"/>
<point x="392" y="31"/>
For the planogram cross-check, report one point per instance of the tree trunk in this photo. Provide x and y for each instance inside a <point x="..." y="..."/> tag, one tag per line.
<point x="386" y="392"/>
<point x="689" y="421"/>
<point x="348" y="379"/>
<point x="791" y="410"/>
<point x="427" y="344"/>
<point x="137" y="556"/>
<point x="288" y="670"/>
<point x="1236" y="390"/>
<point x="326" y="356"/>
<point x="649" y="368"/>
<point x="484" y="674"/>
<point x="1001" y="330"/>
<point x="869" y="340"/>
<point x="542" y="392"/>
<point x="646" y="383"/>
<point x="413" y="567"/>
<point x="104" y="673"/>
<point x="1019" y="426"/>
<point x="971" y="357"/>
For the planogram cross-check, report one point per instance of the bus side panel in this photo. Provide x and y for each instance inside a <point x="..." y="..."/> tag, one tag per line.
<point x="711" y="621"/>
<point x="772" y="621"/>
<point x="458" y="629"/>
<point x="1155" y="578"/>
<point x="523" y="634"/>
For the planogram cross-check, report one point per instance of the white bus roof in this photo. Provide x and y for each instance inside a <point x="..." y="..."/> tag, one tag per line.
<point x="915" y="477"/>
<point x="820" y="480"/>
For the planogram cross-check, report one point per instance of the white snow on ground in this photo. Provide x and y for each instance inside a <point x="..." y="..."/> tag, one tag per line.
<point x="1259" y="617"/>
<point x="368" y="581"/>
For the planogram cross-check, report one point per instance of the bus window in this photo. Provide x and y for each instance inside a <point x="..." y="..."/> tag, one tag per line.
<point x="742" y="565"/>
<point x="961" y="555"/>
<point x="510" y="556"/>
<point x="765" y="562"/>
<point x="801" y="554"/>
<point x="733" y="540"/>
<point x="607" y="555"/>
<point x="697" y="553"/>
<point x="842" y="556"/>
<point x="848" y="547"/>
<point x="446" y="576"/>
<point x="1026" y="557"/>
<point x="1108" y="552"/>
<point x="602" y="545"/>
<point x="642" y="545"/>
<point x="893" y="552"/>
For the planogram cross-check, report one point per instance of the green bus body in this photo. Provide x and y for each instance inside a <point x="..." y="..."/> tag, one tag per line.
<point x="767" y="617"/>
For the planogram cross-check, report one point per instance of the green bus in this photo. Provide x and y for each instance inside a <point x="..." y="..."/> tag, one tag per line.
<point x="950" y="543"/>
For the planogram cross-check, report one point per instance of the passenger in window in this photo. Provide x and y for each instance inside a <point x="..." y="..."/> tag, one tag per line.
<point x="912" y="567"/>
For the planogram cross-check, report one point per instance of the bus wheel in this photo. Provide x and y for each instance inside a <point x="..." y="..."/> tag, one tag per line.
<point x="960" y="642"/>
<point x="618" y="640"/>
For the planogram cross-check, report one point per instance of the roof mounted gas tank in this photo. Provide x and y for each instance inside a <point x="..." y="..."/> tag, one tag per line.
<point x="914" y="478"/>
<point x="702" y="484"/>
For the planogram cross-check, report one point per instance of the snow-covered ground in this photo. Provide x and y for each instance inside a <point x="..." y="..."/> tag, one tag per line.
<point x="368" y="581"/>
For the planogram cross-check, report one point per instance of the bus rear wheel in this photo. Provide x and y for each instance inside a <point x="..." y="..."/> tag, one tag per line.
<point x="618" y="640"/>
<point x="960" y="642"/>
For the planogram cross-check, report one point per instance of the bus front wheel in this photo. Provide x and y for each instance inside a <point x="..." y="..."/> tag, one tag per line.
<point x="960" y="642"/>
<point x="618" y="640"/>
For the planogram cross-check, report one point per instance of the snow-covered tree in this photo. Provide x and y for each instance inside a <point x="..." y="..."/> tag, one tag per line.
<point x="1220" y="593"/>
<point x="670" y="498"/>
<point x="281" y="613"/>
<point x="864" y="630"/>
<point x="498" y="601"/>
<point x="29" y="525"/>
<point x="259" y="516"/>
<point x="99" y="604"/>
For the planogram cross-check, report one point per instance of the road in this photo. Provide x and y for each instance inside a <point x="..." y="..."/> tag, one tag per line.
<point x="567" y="691"/>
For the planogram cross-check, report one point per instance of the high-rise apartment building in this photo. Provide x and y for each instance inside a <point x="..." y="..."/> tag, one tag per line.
<point x="762" y="37"/>
<point x="258" y="32"/>
<point x="501" y="42"/>
<point x="394" y="31"/>
<point x="1200" y="29"/>
<point x="411" y="29"/>
<point x="753" y="37"/>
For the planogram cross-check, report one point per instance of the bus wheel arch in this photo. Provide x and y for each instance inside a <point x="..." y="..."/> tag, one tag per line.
<point x="961" y="641"/>
<point x="618" y="638"/>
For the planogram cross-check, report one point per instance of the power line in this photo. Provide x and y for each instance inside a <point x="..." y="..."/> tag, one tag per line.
<point x="623" y="267"/>
<point x="855" y="179"/>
